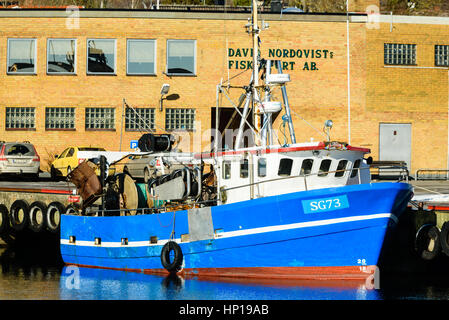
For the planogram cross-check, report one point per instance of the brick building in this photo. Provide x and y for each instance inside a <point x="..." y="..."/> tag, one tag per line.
<point x="65" y="76"/>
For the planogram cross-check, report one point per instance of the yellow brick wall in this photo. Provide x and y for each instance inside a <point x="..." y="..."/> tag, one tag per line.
<point x="314" y="95"/>
<point x="378" y="94"/>
<point x="416" y="94"/>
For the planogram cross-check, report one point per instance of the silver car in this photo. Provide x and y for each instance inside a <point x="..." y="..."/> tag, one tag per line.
<point x="145" y="166"/>
<point x="140" y="166"/>
<point x="19" y="158"/>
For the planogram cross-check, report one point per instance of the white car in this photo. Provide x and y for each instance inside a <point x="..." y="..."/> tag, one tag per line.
<point x="19" y="158"/>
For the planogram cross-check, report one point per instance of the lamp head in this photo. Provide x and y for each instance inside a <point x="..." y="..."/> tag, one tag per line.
<point x="165" y="88"/>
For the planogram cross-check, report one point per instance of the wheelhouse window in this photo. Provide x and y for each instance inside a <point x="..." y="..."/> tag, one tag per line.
<point x="139" y="119"/>
<point x="21" y="56"/>
<point x="355" y="168"/>
<point x="59" y="118"/>
<point x="244" y="168"/>
<point x="61" y="56"/>
<point x="20" y="118"/>
<point x="285" y="167"/>
<point x="100" y="118"/>
<point x="101" y="56"/>
<point x="341" y="167"/>
<point x="442" y="55"/>
<point x="399" y="54"/>
<point x="141" y="57"/>
<point x="179" y="119"/>
<point x="181" y="57"/>
<point x="324" y="168"/>
<point x="306" y="167"/>
<point x="262" y="167"/>
<point x="226" y="169"/>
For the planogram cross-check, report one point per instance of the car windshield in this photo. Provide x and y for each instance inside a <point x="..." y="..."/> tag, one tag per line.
<point x="91" y="149"/>
<point x="13" y="149"/>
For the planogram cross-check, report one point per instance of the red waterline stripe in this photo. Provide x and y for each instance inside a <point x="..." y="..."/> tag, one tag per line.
<point x="350" y="273"/>
<point x="48" y="191"/>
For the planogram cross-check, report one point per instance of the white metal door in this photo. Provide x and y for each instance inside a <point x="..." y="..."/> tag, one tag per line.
<point x="395" y="142"/>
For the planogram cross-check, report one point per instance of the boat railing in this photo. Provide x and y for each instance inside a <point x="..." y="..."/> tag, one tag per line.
<point x="139" y="211"/>
<point x="196" y="204"/>
<point x="432" y="174"/>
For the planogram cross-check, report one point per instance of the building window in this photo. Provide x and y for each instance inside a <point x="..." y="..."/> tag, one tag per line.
<point x="101" y="56"/>
<point x="442" y="55"/>
<point x="179" y="119"/>
<point x="59" y="118"/>
<point x="181" y="57"/>
<point x="21" y="56"/>
<point x="141" y="57"/>
<point x="20" y="118"/>
<point x="100" y="118"/>
<point x="397" y="54"/>
<point x="61" y="56"/>
<point x="139" y="119"/>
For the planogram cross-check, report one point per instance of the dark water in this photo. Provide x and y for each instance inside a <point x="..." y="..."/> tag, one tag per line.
<point x="33" y="274"/>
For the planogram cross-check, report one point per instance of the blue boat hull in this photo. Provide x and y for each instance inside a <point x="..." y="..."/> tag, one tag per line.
<point x="327" y="233"/>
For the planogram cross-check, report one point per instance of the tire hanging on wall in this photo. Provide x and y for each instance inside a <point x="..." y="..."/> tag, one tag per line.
<point x="38" y="216"/>
<point x="444" y="238"/>
<point x="19" y="215"/>
<point x="174" y="265"/>
<point x="4" y="219"/>
<point x="54" y="212"/>
<point x="427" y="242"/>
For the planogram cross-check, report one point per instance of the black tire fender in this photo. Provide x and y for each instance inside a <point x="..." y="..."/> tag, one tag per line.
<point x="427" y="242"/>
<point x="4" y="219"/>
<point x="444" y="238"/>
<point x="36" y="224"/>
<point x="174" y="265"/>
<point x="54" y="211"/>
<point x="19" y="222"/>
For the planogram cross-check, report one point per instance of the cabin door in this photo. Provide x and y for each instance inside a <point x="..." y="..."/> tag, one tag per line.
<point x="395" y="142"/>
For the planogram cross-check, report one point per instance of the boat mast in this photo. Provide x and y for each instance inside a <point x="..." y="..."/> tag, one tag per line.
<point x="251" y="94"/>
<point x="255" y="83"/>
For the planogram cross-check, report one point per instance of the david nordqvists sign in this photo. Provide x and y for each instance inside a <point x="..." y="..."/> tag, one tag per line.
<point x="292" y="59"/>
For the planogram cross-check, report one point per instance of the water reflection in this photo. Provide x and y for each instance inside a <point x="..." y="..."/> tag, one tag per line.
<point x="99" y="284"/>
<point x="22" y="277"/>
<point x="37" y="272"/>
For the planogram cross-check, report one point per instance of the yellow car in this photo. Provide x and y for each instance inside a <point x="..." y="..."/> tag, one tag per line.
<point x="69" y="159"/>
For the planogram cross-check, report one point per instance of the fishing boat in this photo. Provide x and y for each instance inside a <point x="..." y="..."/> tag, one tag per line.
<point x="292" y="211"/>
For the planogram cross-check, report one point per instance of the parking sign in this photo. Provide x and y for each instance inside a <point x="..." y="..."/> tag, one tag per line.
<point x="134" y="144"/>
